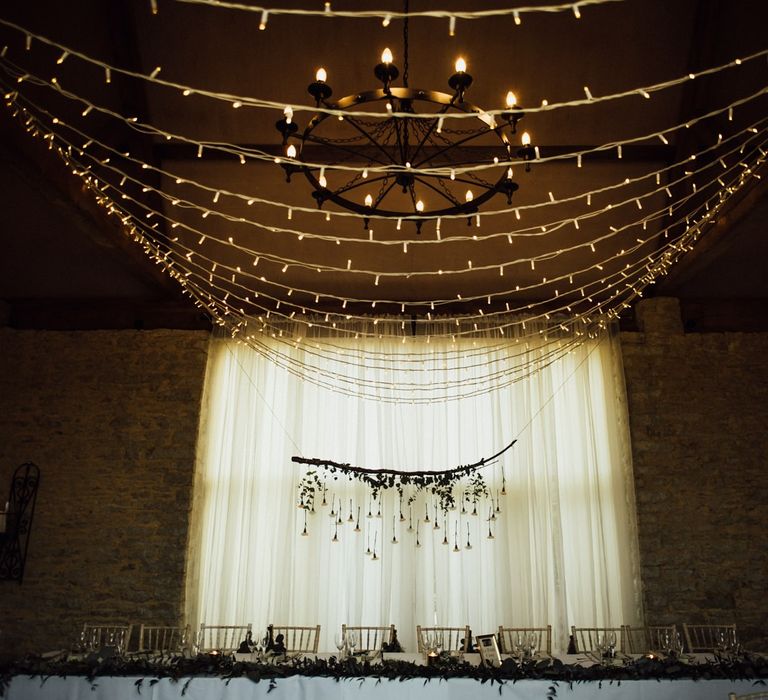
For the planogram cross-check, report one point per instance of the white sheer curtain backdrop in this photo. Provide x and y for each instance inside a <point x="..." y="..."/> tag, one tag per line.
<point x="564" y="549"/>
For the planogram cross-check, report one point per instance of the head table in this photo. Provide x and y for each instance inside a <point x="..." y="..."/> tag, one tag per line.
<point x="401" y="678"/>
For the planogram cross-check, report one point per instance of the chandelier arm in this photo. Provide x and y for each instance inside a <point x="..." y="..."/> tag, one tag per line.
<point x="354" y="184"/>
<point x="444" y="194"/>
<point x="370" y="138"/>
<point x="397" y="128"/>
<point x="345" y="149"/>
<point x="412" y="193"/>
<point x="460" y="142"/>
<point x="429" y="132"/>
<point x="477" y="181"/>
<point x="383" y="192"/>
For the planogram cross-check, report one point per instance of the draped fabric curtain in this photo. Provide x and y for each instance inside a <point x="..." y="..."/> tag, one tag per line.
<point x="552" y="542"/>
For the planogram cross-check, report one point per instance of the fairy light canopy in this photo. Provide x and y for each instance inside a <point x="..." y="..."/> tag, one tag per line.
<point x="643" y="146"/>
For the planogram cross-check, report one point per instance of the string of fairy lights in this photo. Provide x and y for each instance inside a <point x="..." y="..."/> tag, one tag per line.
<point x="552" y="226"/>
<point x="217" y="194"/>
<point x="254" y="276"/>
<point x="386" y="16"/>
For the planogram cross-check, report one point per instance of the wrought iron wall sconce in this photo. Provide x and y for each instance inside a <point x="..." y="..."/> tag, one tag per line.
<point x="16" y="521"/>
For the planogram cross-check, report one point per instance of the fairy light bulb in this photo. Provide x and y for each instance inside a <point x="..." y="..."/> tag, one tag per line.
<point x="322" y="181"/>
<point x="469" y="196"/>
<point x="511" y="100"/>
<point x="368" y="200"/>
<point x="419" y="206"/>
<point x="288" y="112"/>
<point x="291" y="152"/>
<point x="461" y="65"/>
<point x="321" y="75"/>
<point x="386" y="56"/>
<point x="526" y="139"/>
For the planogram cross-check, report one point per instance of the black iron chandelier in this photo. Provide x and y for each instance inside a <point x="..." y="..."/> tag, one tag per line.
<point x="395" y="165"/>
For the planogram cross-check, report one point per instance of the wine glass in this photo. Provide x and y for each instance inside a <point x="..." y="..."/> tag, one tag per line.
<point x="518" y="644"/>
<point x="533" y="641"/>
<point x="612" y="644"/>
<point x="602" y="644"/>
<point x="438" y="641"/>
<point x="352" y="640"/>
<point x="95" y="643"/>
<point x="340" y="642"/>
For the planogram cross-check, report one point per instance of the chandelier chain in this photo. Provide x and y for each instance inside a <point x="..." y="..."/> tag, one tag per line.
<point x="405" y="45"/>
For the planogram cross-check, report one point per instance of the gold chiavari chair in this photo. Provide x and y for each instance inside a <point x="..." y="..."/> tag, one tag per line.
<point x="222" y="638"/>
<point x="508" y="637"/>
<point x="163" y="639"/>
<point x="450" y="638"/>
<point x="99" y="635"/>
<point x="298" y="638"/>
<point x="652" y="638"/>
<point x="588" y="639"/>
<point x="370" y="638"/>
<point x="703" y="638"/>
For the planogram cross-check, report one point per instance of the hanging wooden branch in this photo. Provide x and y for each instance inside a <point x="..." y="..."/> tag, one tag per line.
<point x="440" y="482"/>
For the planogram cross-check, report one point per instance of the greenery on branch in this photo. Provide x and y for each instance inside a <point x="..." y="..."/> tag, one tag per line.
<point x="440" y="483"/>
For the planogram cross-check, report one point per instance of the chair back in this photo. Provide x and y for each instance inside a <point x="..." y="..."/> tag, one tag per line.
<point x="297" y="638"/>
<point x="652" y="638"/>
<point x="163" y="639"/>
<point x="97" y="635"/>
<point x="508" y="637"/>
<point x="370" y="638"/>
<point x="701" y="638"/>
<point x="588" y="639"/>
<point x="450" y="638"/>
<point x="223" y="638"/>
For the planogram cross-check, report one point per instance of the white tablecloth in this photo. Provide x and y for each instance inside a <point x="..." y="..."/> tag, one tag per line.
<point x="315" y="688"/>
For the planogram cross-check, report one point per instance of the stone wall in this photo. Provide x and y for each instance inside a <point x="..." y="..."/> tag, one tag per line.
<point x="111" y="419"/>
<point x="698" y="406"/>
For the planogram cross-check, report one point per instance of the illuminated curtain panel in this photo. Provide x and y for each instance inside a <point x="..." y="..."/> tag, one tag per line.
<point x="559" y="504"/>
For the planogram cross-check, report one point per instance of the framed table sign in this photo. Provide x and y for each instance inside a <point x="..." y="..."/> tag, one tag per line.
<point x="488" y="647"/>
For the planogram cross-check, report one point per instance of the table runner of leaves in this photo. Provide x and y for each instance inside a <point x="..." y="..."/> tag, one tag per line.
<point x="184" y="670"/>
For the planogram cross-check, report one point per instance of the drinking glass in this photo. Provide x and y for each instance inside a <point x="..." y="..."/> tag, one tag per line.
<point x="533" y="640"/>
<point x="352" y="640"/>
<point x="602" y="644"/>
<point x="339" y="641"/>
<point x="518" y="644"/>
<point x="612" y="643"/>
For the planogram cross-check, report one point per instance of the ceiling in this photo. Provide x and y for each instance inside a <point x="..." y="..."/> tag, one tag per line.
<point x="67" y="263"/>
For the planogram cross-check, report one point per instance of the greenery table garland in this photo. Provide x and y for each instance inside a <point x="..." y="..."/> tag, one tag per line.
<point x="181" y="669"/>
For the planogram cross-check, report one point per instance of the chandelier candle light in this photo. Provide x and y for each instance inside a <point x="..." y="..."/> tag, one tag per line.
<point x="408" y="167"/>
